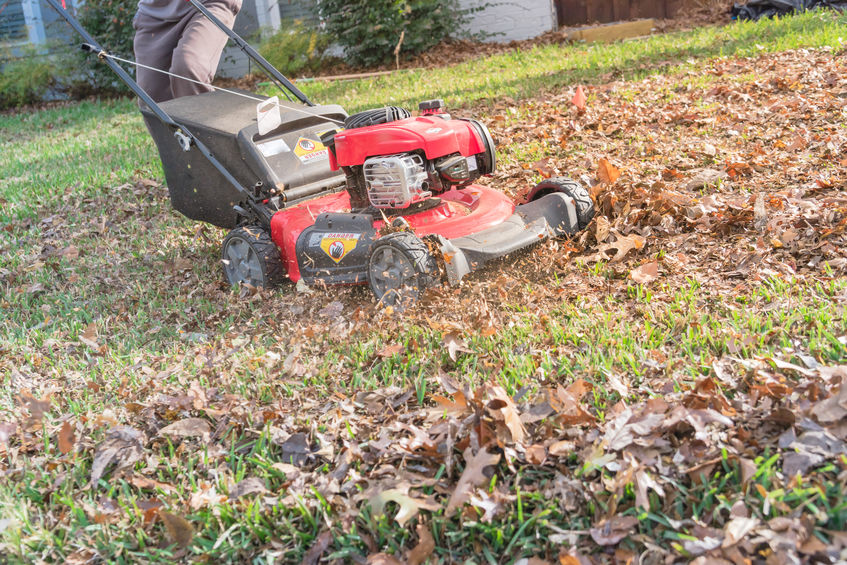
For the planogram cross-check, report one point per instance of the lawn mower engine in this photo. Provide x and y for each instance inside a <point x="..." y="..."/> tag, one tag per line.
<point x="398" y="170"/>
<point x="393" y="166"/>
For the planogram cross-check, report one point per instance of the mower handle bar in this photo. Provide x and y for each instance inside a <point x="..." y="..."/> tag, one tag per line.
<point x="183" y="134"/>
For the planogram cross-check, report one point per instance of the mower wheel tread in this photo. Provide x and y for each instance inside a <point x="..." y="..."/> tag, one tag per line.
<point x="574" y="189"/>
<point x="425" y="266"/>
<point x="260" y="250"/>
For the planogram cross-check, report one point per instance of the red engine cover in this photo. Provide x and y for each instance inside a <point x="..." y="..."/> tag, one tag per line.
<point x="435" y="136"/>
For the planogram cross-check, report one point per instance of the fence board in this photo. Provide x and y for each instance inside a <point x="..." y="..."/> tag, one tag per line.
<point x="581" y="12"/>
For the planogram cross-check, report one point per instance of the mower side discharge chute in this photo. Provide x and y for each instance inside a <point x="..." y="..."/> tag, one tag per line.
<point x="550" y="216"/>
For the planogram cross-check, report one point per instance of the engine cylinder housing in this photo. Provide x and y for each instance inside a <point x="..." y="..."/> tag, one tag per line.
<point x="396" y="181"/>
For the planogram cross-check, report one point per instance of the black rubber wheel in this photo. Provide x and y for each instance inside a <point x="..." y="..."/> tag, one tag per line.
<point x="250" y="256"/>
<point x="400" y="267"/>
<point x="584" y="204"/>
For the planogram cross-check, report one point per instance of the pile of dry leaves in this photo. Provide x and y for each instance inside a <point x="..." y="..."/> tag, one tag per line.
<point x="700" y="177"/>
<point x="380" y="447"/>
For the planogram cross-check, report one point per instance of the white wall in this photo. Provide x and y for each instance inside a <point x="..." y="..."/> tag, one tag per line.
<point x="512" y="20"/>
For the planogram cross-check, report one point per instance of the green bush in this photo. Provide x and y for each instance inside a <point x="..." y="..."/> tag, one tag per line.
<point x="295" y="48"/>
<point x="28" y="76"/>
<point x="369" y="30"/>
<point x="110" y="23"/>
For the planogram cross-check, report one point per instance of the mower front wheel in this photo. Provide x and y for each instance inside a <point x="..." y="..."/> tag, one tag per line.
<point x="250" y="256"/>
<point x="580" y="195"/>
<point x="400" y="268"/>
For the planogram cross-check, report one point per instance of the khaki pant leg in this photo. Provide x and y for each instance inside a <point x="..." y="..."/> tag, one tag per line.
<point x="200" y="47"/>
<point x="154" y="45"/>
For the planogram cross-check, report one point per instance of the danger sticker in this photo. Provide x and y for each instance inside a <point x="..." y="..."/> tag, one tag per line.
<point x="338" y="245"/>
<point x="310" y="150"/>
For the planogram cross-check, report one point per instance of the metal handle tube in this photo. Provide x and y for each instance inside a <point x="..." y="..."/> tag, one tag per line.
<point x="93" y="46"/>
<point x="282" y="82"/>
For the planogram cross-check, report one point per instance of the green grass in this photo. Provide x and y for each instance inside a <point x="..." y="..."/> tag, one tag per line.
<point x="529" y="73"/>
<point x="148" y="281"/>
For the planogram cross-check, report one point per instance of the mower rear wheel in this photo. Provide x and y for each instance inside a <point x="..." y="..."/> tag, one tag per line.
<point x="250" y="256"/>
<point x="580" y="195"/>
<point x="400" y="268"/>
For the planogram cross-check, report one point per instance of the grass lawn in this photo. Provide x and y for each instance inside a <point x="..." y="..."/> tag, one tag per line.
<point x="666" y="385"/>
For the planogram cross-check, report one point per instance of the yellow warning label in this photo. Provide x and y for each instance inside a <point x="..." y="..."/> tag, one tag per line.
<point x="310" y="150"/>
<point x="338" y="245"/>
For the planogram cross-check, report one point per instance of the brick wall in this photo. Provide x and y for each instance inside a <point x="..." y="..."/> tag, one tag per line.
<point x="510" y="20"/>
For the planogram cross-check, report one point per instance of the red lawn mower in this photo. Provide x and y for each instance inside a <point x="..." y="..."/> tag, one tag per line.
<point x="379" y="197"/>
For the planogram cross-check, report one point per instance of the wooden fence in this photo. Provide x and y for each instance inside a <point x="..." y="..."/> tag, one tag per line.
<point x="581" y="12"/>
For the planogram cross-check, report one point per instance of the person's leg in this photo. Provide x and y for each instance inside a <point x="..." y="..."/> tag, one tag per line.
<point x="154" y="44"/>
<point x="200" y="48"/>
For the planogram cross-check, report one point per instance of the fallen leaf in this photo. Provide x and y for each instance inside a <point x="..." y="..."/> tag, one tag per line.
<point x="180" y="531"/>
<point x="296" y="450"/>
<point x="561" y="447"/>
<point x="146" y="483"/>
<point x="579" y="99"/>
<point x="454" y="345"/>
<point x="409" y="506"/>
<point x="189" y="427"/>
<point x="390" y="350"/>
<point x="502" y="404"/>
<point x="69" y="252"/>
<point x="66" y="438"/>
<point x="150" y="509"/>
<point x="536" y="454"/>
<point x="7" y="430"/>
<point x="602" y="228"/>
<point x="736" y="529"/>
<point x="471" y="477"/>
<point x="618" y="385"/>
<point x="607" y="173"/>
<point x="319" y="546"/>
<point x="621" y="247"/>
<point x="383" y="559"/>
<point x="566" y="403"/>
<point x="612" y="531"/>
<point x="89" y="336"/>
<point x="704" y="178"/>
<point x="832" y="409"/>
<point x="122" y="447"/>
<point x="490" y="504"/>
<point x="425" y="547"/>
<point x="250" y="485"/>
<point x="645" y="273"/>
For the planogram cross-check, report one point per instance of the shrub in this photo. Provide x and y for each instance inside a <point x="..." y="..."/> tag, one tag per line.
<point x="28" y="76"/>
<point x="295" y="48"/>
<point x="110" y="23"/>
<point x="370" y="30"/>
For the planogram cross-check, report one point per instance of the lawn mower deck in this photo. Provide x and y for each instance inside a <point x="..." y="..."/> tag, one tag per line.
<point x="380" y="197"/>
